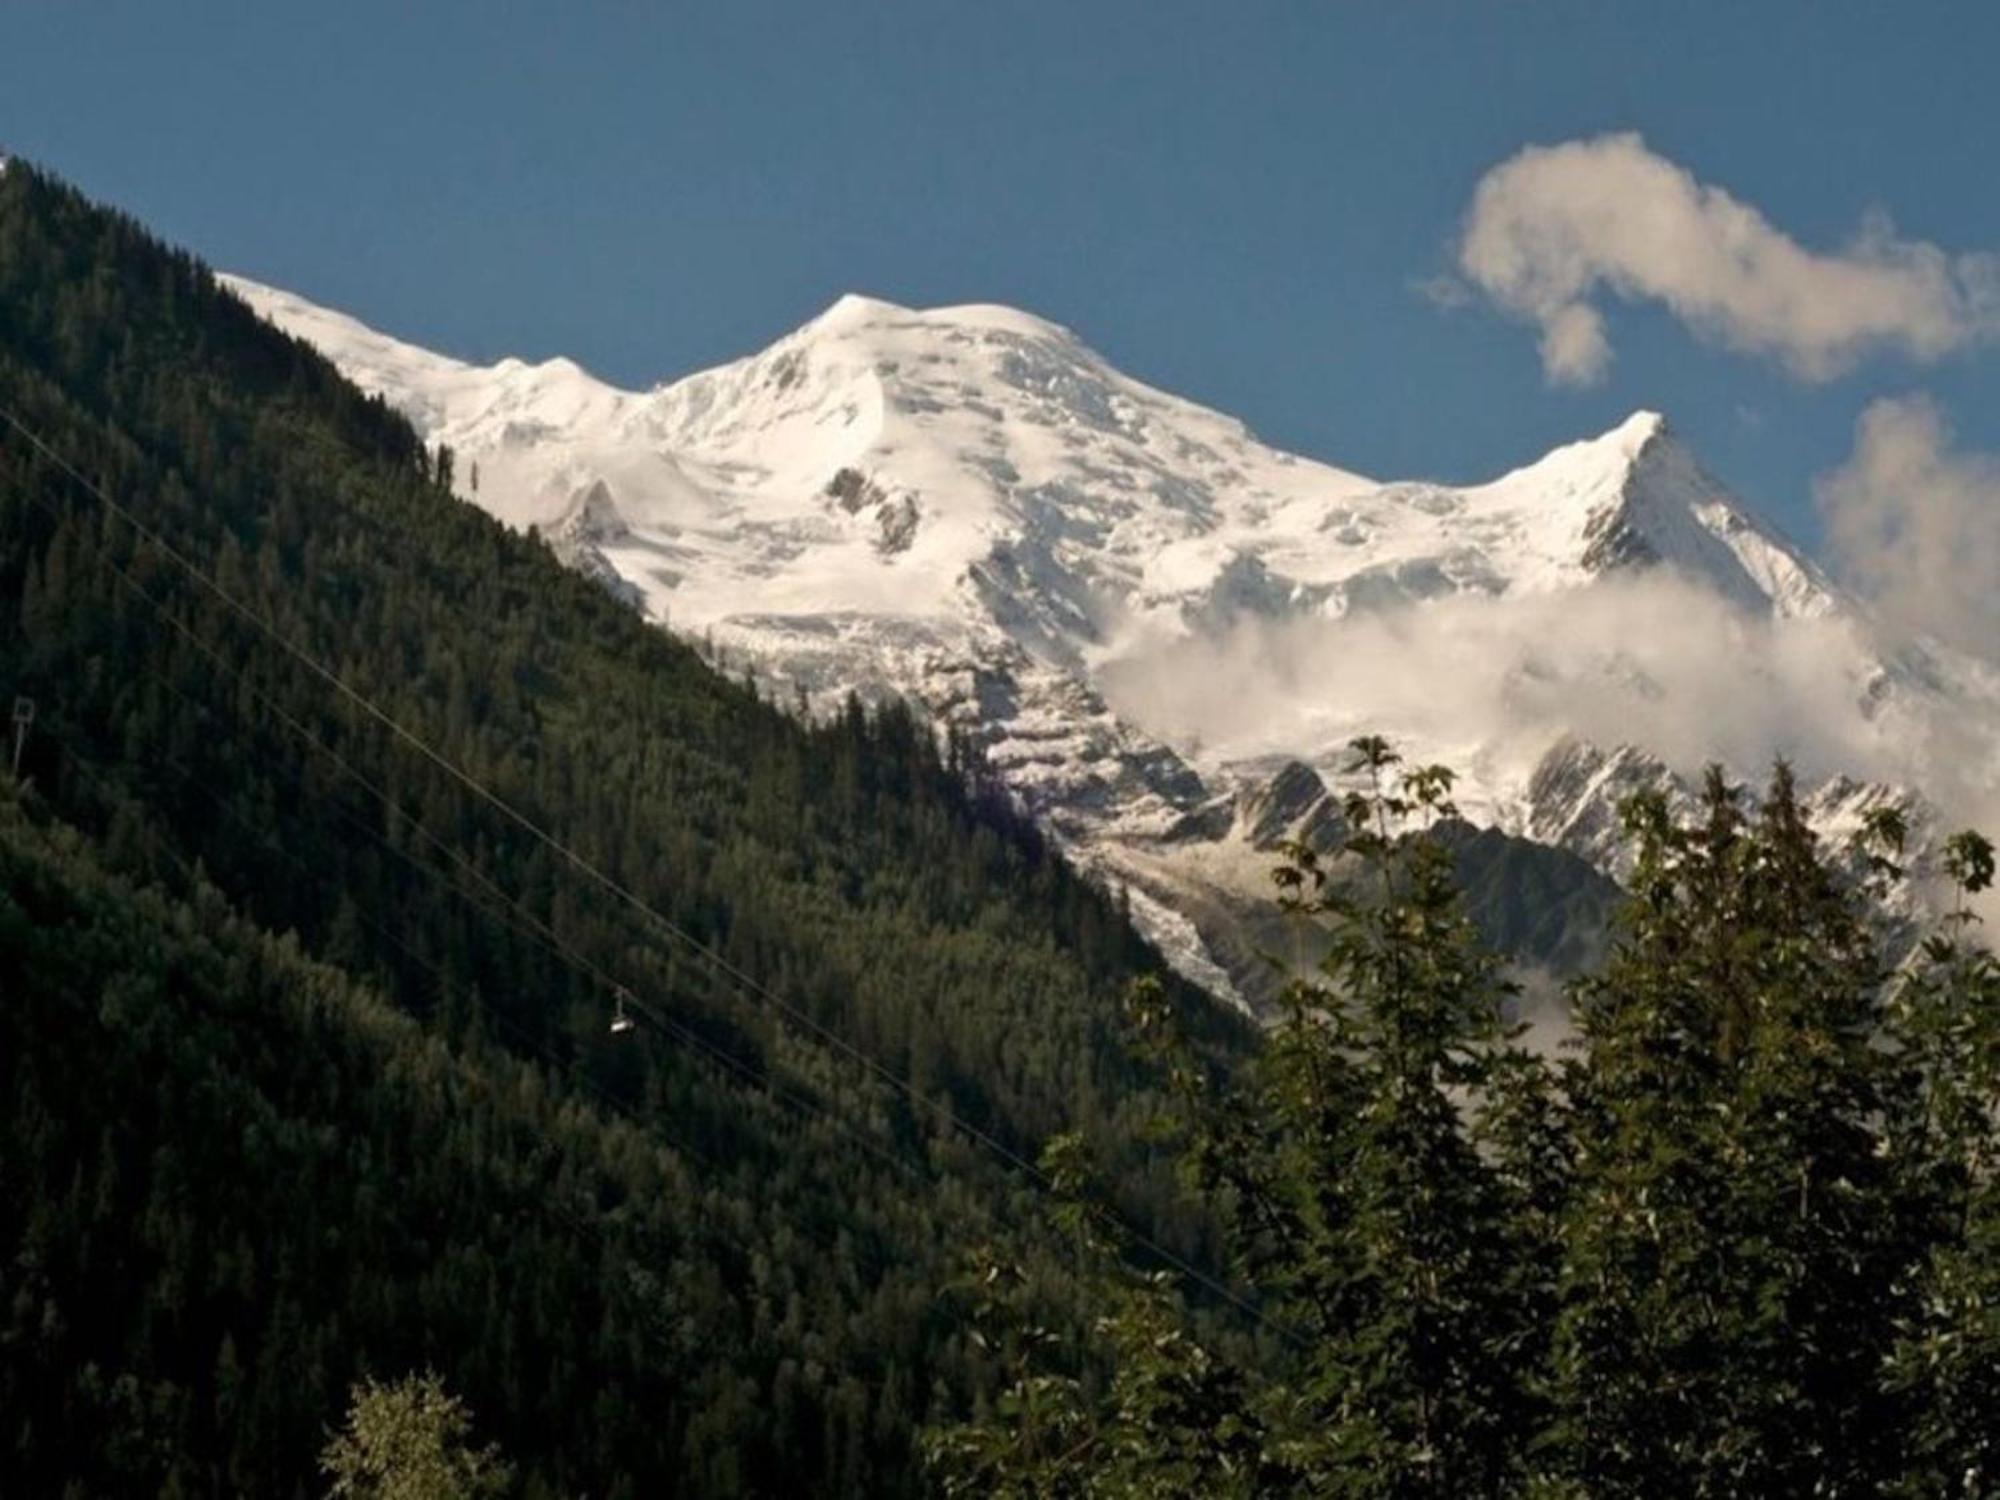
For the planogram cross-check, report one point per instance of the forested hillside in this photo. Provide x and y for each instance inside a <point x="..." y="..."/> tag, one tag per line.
<point x="699" y="1257"/>
<point x="412" y="961"/>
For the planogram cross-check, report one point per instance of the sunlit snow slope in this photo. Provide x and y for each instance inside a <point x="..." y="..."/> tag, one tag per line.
<point x="1148" y="616"/>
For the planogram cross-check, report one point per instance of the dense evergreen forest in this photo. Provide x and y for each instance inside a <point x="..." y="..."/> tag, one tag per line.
<point x="1738" y="1242"/>
<point x="306" y="1062"/>
<point x="352" y="832"/>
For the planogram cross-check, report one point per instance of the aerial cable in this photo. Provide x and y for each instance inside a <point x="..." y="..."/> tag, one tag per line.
<point x="599" y="1231"/>
<point x="512" y="915"/>
<point x="526" y="923"/>
<point x="558" y="1065"/>
<point x="745" y="982"/>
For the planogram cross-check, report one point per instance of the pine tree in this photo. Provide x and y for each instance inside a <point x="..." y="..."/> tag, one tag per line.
<point x="1145" y="1408"/>
<point x="1730" y="1247"/>
<point x="1945" y="1368"/>
<point x="1367" y="1221"/>
<point x="1415" y="1384"/>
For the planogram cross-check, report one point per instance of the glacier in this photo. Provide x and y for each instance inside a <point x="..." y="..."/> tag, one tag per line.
<point x="1163" y="632"/>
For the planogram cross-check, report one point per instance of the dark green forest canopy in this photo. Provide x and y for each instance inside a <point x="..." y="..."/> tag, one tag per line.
<point x="1739" y="1241"/>
<point x="261" y="1165"/>
<point x="305" y="1072"/>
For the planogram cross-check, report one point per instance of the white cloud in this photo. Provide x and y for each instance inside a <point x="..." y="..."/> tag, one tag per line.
<point x="1554" y="227"/>
<point x="1653" y="660"/>
<point x="1485" y="684"/>
<point x="1574" y="348"/>
<point x="1915" y="525"/>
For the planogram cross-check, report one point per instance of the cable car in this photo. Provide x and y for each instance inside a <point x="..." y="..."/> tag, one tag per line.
<point x="621" y="1021"/>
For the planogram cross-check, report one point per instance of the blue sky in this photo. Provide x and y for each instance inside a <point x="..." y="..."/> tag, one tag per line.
<point x="1235" y="201"/>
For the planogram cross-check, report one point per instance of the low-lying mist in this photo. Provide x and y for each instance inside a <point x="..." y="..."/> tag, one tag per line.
<point x="1653" y="661"/>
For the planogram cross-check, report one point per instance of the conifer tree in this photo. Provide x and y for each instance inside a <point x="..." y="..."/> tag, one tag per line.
<point x="1140" y="1407"/>
<point x="1415" y="1385"/>
<point x="1730" y="1244"/>
<point x="1367" y="1220"/>
<point x="1945" y="1367"/>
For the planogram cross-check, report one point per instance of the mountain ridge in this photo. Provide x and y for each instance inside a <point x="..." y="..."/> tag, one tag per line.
<point x="968" y="508"/>
<point x="706" y="1251"/>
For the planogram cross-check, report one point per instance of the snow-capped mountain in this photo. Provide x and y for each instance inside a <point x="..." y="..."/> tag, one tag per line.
<point x="1164" y="631"/>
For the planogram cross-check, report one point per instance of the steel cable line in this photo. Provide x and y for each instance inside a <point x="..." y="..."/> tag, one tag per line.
<point x="594" y="1230"/>
<point x="746" y="983"/>
<point x="513" y="914"/>
<point x="445" y="985"/>
<point x="524" y="922"/>
<point x="644" y="1125"/>
<point x="195" y="879"/>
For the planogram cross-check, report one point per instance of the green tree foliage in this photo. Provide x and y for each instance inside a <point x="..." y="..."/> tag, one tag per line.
<point x="410" y="1440"/>
<point x="1156" y="1413"/>
<point x="1740" y="1242"/>
<point x="1375" y="1230"/>
<point x="1733" y="1243"/>
<point x="1945" y="1364"/>
<point x="1399" y="1268"/>
<point x="700" y="1258"/>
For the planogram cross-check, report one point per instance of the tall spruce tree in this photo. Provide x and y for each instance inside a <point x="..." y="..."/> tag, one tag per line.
<point x="1415" y="1385"/>
<point x="1366" y="1218"/>
<point x="1730" y="1246"/>
<point x="1135" y="1404"/>
<point x="1945" y="1367"/>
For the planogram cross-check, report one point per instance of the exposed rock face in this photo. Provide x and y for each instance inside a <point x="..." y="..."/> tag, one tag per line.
<point x="853" y="491"/>
<point x="579" y="539"/>
<point x="967" y="508"/>
<point x="1294" y="806"/>
<point x="1577" y="791"/>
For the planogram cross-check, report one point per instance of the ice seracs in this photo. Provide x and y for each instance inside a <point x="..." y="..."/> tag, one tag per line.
<point x="966" y="506"/>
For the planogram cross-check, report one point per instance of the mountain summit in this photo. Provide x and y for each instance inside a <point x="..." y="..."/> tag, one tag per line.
<point x="1138" y="609"/>
<point x="886" y="458"/>
<point x="1635" y="498"/>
